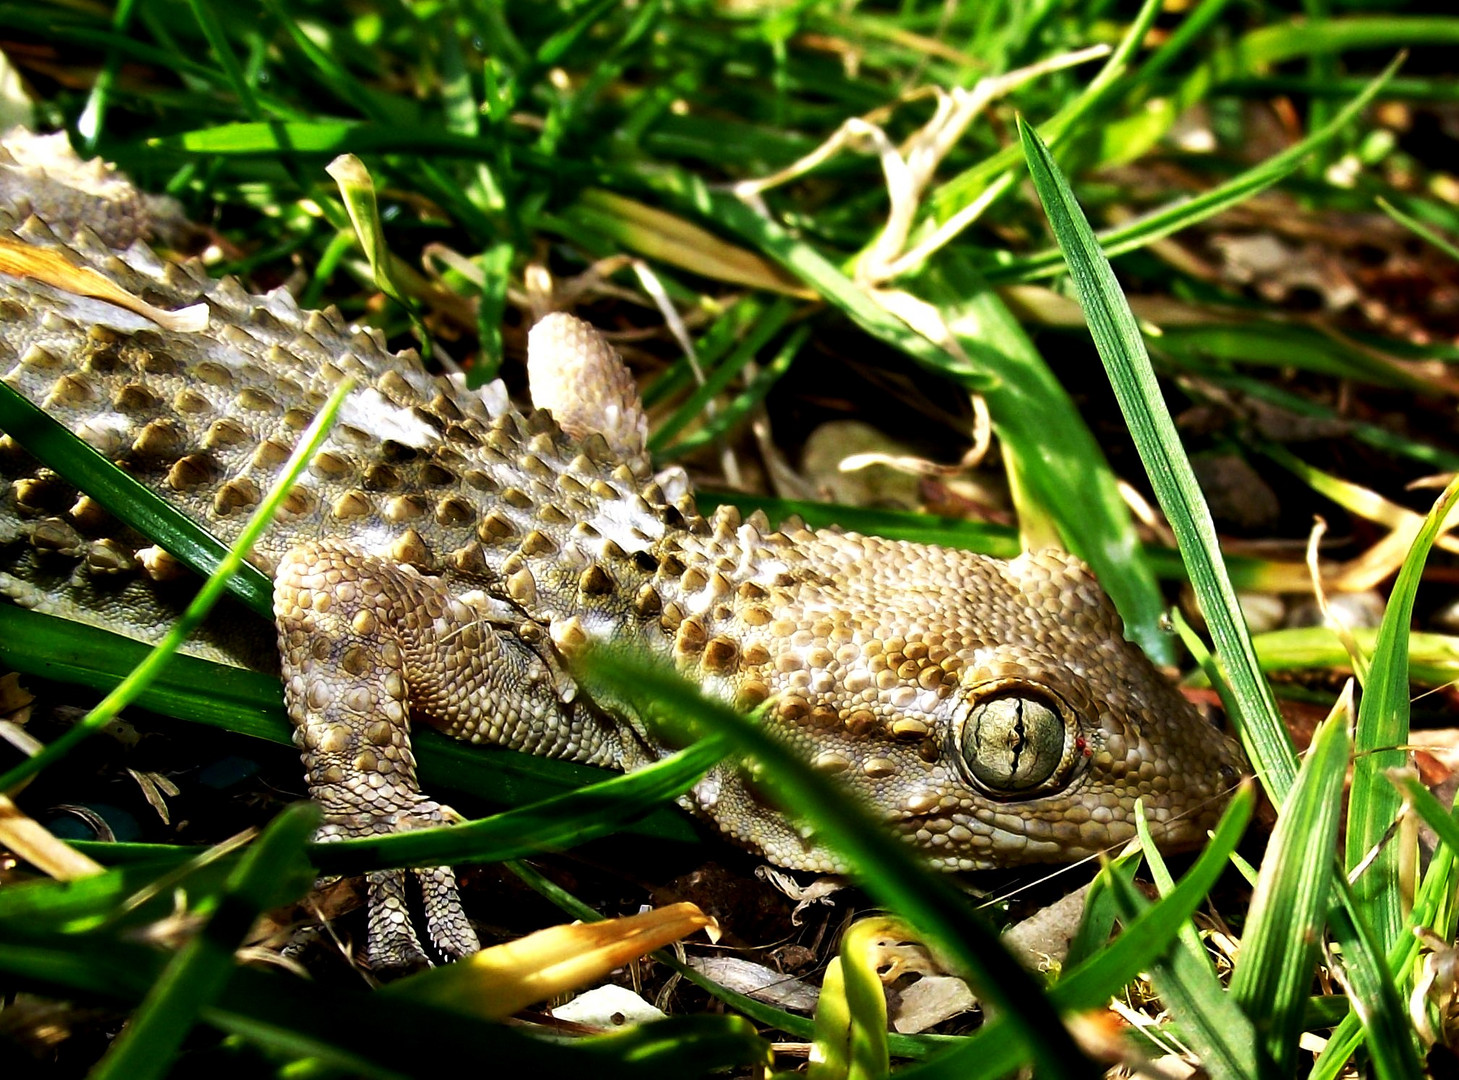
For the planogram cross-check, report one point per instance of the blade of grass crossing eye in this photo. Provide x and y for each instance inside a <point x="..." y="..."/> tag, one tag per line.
<point x="1284" y="925"/>
<point x="884" y="865"/>
<point x="988" y="1054"/>
<point x="272" y="872"/>
<point x="1382" y="732"/>
<point x="1118" y="339"/>
<point x="47" y="440"/>
<point x="202" y="603"/>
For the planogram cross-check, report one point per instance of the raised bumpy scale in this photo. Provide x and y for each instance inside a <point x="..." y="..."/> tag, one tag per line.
<point x="446" y="555"/>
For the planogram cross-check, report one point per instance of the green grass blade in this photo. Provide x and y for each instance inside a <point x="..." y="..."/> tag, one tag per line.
<point x="365" y="1034"/>
<point x="1187" y="33"/>
<point x="358" y="192"/>
<point x="322" y="138"/>
<point x="766" y="327"/>
<point x="93" y="117"/>
<point x="737" y="410"/>
<point x="222" y="50"/>
<point x="251" y="703"/>
<point x="124" y="498"/>
<point x="551" y="825"/>
<point x="123" y="898"/>
<point x="1192" y="357"/>
<point x="1284" y="926"/>
<point x="1433" y="907"/>
<point x="805" y="262"/>
<point x="330" y="71"/>
<point x="1418" y="228"/>
<point x="1094" y="981"/>
<point x="1388" y="1032"/>
<point x="1211" y="1022"/>
<point x="1300" y="38"/>
<point x="272" y="872"/>
<point x="851" y="1013"/>
<point x="1382" y="733"/>
<point x="970" y="185"/>
<point x="1097" y="923"/>
<point x="1427" y="807"/>
<point x="1281" y="345"/>
<point x="1118" y="339"/>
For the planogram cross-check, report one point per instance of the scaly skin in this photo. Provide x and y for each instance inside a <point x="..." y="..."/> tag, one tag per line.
<point x="447" y="556"/>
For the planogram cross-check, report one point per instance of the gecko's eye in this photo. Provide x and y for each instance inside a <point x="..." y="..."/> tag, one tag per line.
<point x="1016" y="740"/>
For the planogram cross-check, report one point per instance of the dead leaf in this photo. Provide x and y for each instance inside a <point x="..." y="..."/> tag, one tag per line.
<point x="499" y="981"/>
<point x="32" y="842"/>
<point x="23" y="260"/>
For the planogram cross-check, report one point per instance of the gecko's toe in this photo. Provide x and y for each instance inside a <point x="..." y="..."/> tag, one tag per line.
<point x="392" y="946"/>
<point x="450" y="930"/>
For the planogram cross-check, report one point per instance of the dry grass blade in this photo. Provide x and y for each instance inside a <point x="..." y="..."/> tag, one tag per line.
<point x="502" y="980"/>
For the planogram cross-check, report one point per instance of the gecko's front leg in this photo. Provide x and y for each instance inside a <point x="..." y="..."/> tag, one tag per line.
<point x="365" y="644"/>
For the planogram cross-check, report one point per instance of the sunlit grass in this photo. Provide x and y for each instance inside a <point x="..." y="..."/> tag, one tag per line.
<point x="519" y="152"/>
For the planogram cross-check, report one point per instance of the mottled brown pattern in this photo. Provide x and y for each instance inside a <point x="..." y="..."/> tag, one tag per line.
<point x="447" y="555"/>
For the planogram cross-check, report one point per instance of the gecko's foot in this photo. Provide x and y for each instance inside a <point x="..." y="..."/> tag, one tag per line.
<point x="393" y="943"/>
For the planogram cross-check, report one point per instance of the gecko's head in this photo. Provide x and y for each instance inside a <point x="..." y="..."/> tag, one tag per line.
<point x="991" y="711"/>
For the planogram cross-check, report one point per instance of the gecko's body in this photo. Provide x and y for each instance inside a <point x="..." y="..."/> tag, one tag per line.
<point x="447" y="555"/>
